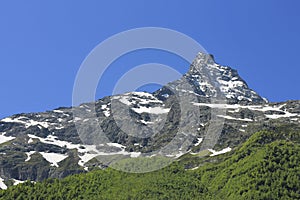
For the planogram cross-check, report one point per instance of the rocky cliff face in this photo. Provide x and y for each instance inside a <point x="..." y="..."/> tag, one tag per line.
<point x="211" y="106"/>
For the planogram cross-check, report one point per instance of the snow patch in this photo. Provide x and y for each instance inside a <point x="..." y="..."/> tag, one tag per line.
<point x="232" y="118"/>
<point x="2" y="184"/>
<point x="26" y="121"/>
<point x="4" y="138"/>
<point x="116" y="145"/>
<point x="199" y="141"/>
<point x="154" y="110"/>
<point x="17" y="182"/>
<point x="30" y="141"/>
<point x="85" y="154"/>
<point x="142" y="94"/>
<point x="106" y="110"/>
<point x="58" y="111"/>
<point x="287" y="114"/>
<point x="29" y="155"/>
<point x="137" y="98"/>
<point x="125" y="101"/>
<point x="215" y="153"/>
<point x="145" y="122"/>
<point x="53" y="158"/>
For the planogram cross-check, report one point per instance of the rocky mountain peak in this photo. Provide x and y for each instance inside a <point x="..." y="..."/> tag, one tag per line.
<point x="37" y="146"/>
<point x="208" y="77"/>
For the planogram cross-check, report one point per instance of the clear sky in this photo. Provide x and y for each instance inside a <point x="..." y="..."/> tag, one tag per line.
<point x="43" y="43"/>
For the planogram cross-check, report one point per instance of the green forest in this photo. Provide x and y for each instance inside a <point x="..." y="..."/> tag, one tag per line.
<point x="266" y="166"/>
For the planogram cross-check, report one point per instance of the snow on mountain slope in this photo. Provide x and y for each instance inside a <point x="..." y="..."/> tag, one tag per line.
<point x="53" y="158"/>
<point x="271" y="111"/>
<point x="4" y="138"/>
<point x="33" y="145"/>
<point x="215" y="153"/>
<point x="2" y="184"/>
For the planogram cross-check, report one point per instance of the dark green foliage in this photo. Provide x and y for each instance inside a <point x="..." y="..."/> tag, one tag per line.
<point x="173" y="182"/>
<point x="267" y="166"/>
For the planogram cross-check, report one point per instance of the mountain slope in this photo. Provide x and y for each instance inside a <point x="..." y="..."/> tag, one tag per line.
<point x="264" y="167"/>
<point x="44" y="145"/>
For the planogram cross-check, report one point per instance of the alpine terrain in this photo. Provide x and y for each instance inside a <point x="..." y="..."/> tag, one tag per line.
<point x="225" y="141"/>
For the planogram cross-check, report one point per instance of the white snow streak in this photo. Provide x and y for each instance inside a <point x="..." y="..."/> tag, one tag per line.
<point x="199" y="141"/>
<point x="215" y="153"/>
<point x="29" y="155"/>
<point x="4" y="138"/>
<point x="2" y="184"/>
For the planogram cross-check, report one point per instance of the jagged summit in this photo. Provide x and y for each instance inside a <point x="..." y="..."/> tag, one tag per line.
<point x="207" y="76"/>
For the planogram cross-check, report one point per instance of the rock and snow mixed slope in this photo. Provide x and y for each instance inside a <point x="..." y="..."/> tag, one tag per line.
<point x="40" y="145"/>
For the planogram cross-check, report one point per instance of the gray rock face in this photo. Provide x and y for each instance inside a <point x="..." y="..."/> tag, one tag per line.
<point x="224" y="78"/>
<point x="210" y="103"/>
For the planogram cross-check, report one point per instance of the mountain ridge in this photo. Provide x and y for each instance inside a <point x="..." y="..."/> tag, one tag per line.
<point x="264" y="167"/>
<point x="42" y="145"/>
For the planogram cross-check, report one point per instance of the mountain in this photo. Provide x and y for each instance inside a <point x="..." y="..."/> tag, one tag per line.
<point x="210" y="108"/>
<point x="264" y="167"/>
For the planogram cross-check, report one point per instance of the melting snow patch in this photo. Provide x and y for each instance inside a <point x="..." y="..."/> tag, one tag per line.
<point x="227" y="85"/>
<point x="2" y="184"/>
<point x="4" y="138"/>
<point x="145" y="122"/>
<point x="116" y="145"/>
<point x="106" y="110"/>
<point x="215" y="153"/>
<point x="225" y="106"/>
<point x="59" y="128"/>
<point x="232" y="118"/>
<point x="287" y="114"/>
<point x="199" y="141"/>
<point x="54" y="141"/>
<point x="53" y="158"/>
<point x="26" y="121"/>
<point x="154" y="110"/>
<point x="58" y="111"/>
<point x="125" y="101"/>
<point x="260" y="108"/>
<point x="29" y="155"/>
<point x="106" y="113"/>
<point x="137" y="98"/>
<point x="17" y="182"/>
<point x="142" y="94"/>
<point x="85" y="154"/>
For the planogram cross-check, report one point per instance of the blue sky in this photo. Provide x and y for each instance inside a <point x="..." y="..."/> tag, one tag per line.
<point x="43" y="43"/>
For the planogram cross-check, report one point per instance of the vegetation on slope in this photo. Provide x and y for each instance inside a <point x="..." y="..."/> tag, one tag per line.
<point x="267" y="166"/>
